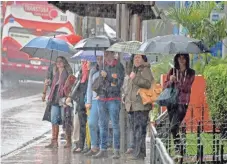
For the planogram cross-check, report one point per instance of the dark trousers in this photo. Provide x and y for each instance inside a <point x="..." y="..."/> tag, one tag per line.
<point x="176" y="114"/>
<point x="138" y="125"/>
<point x="82" y="119"/>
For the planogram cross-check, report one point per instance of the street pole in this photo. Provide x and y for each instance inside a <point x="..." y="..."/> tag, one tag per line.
<point x="123" y="31"/>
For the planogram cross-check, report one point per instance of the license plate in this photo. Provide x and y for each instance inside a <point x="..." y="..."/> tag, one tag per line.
<point x="35" y="62"/>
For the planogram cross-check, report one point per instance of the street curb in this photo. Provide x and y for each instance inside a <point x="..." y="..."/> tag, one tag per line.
<point x="24" y="145"/>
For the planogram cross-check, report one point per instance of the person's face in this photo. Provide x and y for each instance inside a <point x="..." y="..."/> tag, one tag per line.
<point x="59" y="63"/>
<point x="99" y="60"/>
<point x="109" y="56"/>
<point x="138" y="60"/>
<point x="182" y="60"/>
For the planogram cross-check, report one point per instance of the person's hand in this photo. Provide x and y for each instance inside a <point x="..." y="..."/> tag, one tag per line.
<point x="88" y="106"/>
<point x="173" y="78"/>
<point x="123" y="98"/>
<point x="114" y="75"/>
<point x="47" y="82"/>
<point x="103" y="73"/>
<point x="68" y="100"/>
<point x="132" y="75"/>
<point x="44" y="97"/>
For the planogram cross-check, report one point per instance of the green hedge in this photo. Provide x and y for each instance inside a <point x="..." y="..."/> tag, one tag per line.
<point x="216" y="90"/>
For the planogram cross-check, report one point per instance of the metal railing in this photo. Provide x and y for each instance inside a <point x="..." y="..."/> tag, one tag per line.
<point x="158" y="152"/>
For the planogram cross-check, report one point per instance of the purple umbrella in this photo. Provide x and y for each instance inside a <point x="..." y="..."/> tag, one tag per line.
<point x="90" y="55"/>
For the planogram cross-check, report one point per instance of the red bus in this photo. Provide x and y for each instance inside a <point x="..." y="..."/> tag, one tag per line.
<point x="23" y="21"/>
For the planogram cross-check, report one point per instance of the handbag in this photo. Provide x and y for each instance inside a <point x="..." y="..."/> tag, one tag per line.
<point x="96" y="84"/>
<point x="168" y="96"/>
<point x="47" y="113"/>
<point x="149" y="96"/>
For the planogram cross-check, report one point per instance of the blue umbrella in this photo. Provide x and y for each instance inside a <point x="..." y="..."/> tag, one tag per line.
<point x="48" y="48"/>
<point x="90" y="55"/>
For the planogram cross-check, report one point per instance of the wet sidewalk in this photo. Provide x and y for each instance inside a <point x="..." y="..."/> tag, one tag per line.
<point x="36" y="153"/>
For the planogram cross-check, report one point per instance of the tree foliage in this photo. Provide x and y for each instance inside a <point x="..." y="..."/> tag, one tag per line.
<point x="196" y="19"/>
<point x="162" y="67"/>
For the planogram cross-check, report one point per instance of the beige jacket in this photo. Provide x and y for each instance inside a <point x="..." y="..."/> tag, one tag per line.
<point x="143" y="79"/>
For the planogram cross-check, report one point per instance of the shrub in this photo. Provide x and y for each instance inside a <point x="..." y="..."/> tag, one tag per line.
<point x="216" y="90"/>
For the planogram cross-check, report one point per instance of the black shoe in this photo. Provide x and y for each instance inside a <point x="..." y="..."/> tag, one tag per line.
<point x="101" y="154"/>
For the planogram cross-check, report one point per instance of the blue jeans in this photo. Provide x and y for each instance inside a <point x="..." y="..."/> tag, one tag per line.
<point x="109" y="109"/>
<point x="93" y="120"/>
<point x="57" y="115"/>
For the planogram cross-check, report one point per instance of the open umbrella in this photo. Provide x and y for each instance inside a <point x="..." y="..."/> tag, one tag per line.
<point x="48" y="48"/>
<point x="96" y="43"/>
<point x="89" y="55"/>
<point x="127" y="47"/>
<point x="173" y="44"/>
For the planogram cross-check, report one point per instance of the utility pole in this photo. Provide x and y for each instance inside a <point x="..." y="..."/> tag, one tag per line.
<point x="123" y="32"/>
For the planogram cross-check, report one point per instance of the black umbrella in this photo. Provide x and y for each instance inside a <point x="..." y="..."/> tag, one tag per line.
<point x="96" y="43"/>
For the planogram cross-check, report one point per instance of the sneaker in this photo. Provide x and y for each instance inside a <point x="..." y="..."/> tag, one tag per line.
<point x="91" y="153"/>
<point x="101" y="154"/>
<point x="85" y="150"/>
<point x="116" y="154"/>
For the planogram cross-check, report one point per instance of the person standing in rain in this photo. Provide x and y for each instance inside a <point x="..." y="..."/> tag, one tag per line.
<point x="80" y="107"/>
<point x="56" y="94"/>
<point x="92" y="105"/>
<point x="48" y="81"/>
<point x="138" y="114"/>
<point x="182" y="78"/>
<point x="108" y="89"/>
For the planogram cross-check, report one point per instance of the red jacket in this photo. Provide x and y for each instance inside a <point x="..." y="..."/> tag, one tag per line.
<point x="183" y="84"/>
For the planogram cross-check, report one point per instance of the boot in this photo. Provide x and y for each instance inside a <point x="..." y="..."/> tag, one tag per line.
<point x="68" y="140"/>
<point x="54" y="141"/>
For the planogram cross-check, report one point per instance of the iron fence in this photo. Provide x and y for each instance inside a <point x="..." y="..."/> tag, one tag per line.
<point x="201" y="141"/>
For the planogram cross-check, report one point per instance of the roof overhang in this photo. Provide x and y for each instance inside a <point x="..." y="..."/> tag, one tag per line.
<point x="105" y="9"/>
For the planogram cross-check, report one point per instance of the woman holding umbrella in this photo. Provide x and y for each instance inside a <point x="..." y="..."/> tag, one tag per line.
<point x="181" y="77"/>
<point x="57" y="93"/>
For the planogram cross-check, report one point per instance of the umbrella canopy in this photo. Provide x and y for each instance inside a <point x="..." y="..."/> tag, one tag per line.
<point x="173" y="44"/>
<point x="127" y="47"/>
<point x="90" y="56"/>
<point x="71" y="38"/>
<point x="96" y="43"/>
<point x="87" y="55"/>
<point x="48" y="48"/>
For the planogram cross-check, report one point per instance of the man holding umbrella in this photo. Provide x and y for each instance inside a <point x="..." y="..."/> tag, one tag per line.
<point x="108" y="88"/>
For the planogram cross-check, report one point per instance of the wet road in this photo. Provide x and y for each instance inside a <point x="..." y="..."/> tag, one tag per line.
<point x="37" y="154"/>
<point x="21" y="114"/>
<point x="24" y="134"/>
